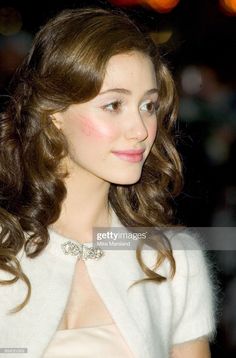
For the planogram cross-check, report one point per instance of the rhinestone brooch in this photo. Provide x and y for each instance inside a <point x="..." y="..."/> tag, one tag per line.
<point x="82" y="251"/>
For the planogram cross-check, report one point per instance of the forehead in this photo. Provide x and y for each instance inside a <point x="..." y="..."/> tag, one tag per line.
<point x="130" y="70"/>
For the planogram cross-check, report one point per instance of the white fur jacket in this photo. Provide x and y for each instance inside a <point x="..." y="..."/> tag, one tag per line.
<point x="151" y="317"/>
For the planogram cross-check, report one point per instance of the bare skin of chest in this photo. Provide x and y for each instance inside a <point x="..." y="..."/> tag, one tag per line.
<point x="84" y="308"/>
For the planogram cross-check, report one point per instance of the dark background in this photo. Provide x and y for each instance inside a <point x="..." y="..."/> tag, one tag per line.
<point x="201" y="54"/>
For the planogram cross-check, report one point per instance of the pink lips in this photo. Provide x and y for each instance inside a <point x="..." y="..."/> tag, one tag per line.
<point x="131" y="155"/>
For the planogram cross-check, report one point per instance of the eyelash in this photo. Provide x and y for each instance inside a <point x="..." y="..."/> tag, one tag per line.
<point x="120" y="102"/>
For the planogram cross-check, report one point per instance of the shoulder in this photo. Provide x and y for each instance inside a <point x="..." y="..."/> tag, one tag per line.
<point x="195" y="288"/>
<point x="189" y="252"/>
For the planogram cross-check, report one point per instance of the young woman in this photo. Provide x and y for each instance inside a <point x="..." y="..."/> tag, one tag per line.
<point x="87" y="142"/>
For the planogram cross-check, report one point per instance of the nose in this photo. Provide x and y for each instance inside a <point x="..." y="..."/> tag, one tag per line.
<point x="136" y="128"/>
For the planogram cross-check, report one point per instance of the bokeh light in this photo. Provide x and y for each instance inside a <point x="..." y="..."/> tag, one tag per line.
<point x="157" y="5"/>
<point x="10" y="21"/>
<point x="191" y="80"/>
<point x="162" y="5"/>
<point x="228" y="6"/>
<point x="161" y="37"/>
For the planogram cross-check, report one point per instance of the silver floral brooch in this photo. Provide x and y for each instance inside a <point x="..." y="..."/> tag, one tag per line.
<point x="82" y="251"/>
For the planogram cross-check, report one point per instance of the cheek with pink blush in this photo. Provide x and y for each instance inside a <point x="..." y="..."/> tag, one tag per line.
<point x="96" y="130"/>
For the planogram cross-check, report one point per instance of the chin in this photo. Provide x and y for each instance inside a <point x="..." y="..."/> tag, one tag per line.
<point x="129" y="180"/>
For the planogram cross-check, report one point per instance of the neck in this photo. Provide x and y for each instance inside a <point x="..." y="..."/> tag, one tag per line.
<point x="85" y="206"/>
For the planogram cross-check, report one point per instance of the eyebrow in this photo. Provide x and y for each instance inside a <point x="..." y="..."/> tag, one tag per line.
<point x="125" y="91"/>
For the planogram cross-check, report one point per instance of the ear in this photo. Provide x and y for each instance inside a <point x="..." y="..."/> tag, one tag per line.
<point x="57" y="120"/>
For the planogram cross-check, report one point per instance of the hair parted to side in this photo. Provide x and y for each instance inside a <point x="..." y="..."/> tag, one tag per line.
<point x="66" y="65"/>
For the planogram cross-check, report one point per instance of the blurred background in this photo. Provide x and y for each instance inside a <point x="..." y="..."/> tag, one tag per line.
<point x="198" y="41"/>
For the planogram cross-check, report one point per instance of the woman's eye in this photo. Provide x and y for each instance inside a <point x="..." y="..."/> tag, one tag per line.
<point x="113" y="106"/>
<point x="151" y="107"/>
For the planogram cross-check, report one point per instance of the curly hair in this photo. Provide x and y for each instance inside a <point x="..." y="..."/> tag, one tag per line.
<point x="66" y="65"/>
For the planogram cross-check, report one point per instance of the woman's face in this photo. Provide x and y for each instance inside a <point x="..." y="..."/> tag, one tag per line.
<point x="120" y="118"/>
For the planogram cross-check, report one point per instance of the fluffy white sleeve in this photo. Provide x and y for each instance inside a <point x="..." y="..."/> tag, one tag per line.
<point x="194" y="290"/>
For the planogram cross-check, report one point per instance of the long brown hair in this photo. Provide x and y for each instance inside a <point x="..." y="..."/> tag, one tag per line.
<point x="66" y="65"/>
